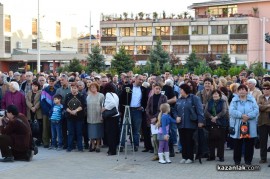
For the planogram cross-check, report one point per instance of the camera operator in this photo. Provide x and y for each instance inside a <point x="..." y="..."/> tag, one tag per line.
<point x="15" y="138"/>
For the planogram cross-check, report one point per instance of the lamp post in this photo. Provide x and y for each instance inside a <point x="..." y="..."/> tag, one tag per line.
<point x="263" y="37"/>
<point x="90" y="39"/>
<point x="38" y="42"/>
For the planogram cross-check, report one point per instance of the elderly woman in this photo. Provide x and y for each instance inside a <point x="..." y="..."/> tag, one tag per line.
<point x="111" y="127"/>
<point x="243" y="118"/>
<point x="216" y="122"/>
<point x="74" y="105"/>
<point x="186" y="128"/>
<point x="14" y="97"/>
<point x="94" y="102"/>
<point x="34" y="112"/>
<point x="16" y="139"/>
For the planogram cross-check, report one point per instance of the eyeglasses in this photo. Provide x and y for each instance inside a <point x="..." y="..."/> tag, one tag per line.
<point x="266" y="88"/>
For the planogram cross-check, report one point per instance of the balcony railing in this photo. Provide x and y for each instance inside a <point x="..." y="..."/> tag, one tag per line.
<point x="108" y="39"/>
<point x="238" y="36"/>
<point x="162" y="37"/>
<point x="140" y="57"/>
<point x="180" y="37"/>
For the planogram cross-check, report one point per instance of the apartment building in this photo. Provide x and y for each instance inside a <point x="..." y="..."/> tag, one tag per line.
<point x="19" y="37"/>
<point x="233" y="27"/>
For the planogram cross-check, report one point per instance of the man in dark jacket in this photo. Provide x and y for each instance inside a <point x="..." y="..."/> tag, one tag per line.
<point x="137" y="100"/>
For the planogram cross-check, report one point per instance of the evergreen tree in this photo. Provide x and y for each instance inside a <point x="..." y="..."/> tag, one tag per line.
<point x="158" y="55"/>
<point x="96" y="60"/>
<point x="258" y="69"/>
<point x="225" y="62"/>
<point x="74" y="66"/>
<point x="122" y="61"/>
<point x="202" y="68"/>
<point x="192" y="62"/>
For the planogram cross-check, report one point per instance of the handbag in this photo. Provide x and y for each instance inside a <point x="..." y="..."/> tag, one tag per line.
<point x="193" y="114"/>
<point x="232" y="129"/>
<point x="35" y="126"/>
<point x="109" y="113"/>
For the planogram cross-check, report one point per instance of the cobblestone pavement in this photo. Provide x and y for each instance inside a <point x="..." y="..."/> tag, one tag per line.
<point x="76" y="165"/>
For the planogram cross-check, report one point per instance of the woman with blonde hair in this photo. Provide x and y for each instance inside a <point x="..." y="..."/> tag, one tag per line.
<point x="14" y="97"/>
<point x="94" y="101"/>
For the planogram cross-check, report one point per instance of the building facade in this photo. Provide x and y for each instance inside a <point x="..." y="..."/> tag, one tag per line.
<point x="19" y="40"/>
<point x="219" y="27"/>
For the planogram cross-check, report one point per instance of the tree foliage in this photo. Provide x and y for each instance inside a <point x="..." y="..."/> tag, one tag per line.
<point x="158" y="55"/>
<point x="122" y="61"/>
<point x="202" y="68"/>
<point x="258" y="69"/>
<point x="192" y="62"/>
<point x="225" y="62"/>
<point x="74" y="66"/>
<point x="96" y="60"/>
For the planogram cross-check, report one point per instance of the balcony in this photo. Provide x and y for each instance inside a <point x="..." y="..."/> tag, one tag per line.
<point x="238" y="36"/>
<point x="108" y="39"/>
<point x="162" y="37"/>
<point x="180" y="37"/>
<point x="140" y="57"/>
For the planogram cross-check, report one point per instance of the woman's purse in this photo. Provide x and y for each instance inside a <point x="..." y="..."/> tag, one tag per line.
<point x="35" y="126"/>
<point x="109" y="113"/>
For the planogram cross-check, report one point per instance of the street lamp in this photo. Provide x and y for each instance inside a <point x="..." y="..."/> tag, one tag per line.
<point x="38" y="42"/>
<point x="90" y="39"/>
<point x="263" y="36"/>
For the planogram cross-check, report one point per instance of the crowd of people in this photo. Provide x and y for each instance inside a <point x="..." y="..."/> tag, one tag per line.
<point x="67" y="111"/>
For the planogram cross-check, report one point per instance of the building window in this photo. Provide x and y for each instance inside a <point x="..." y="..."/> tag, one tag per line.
<point x="219" y="49"/>
<point x="86" y="48"/>
<point x="34" y="43"/>
<point x="180" y="30"/>
<point x="129" y="49"/>
<point x="58" y="45"/>
<point x="162" y="30"/>
<point x="34" y="26"/>
<point x="7" y="44"/>
<point x="200" y="48"/>
<point x="127" y="31"/>
<point x="238" y="49"/>
<point x="239" y="29"/>
<point x="109" y="32"/>
<point x="143" y="49"/>
<point x="219" y="29"/>
<point x="110" y="50"/>
<point x="144" y="31"/>
<point x="7" y="23"/>
<point x="199" y="30"/>
<point x="58" y="30"/>
<point x="180" y="49"/>
<point x="80" y="49"/>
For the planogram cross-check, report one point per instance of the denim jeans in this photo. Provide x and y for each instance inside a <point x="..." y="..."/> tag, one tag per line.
<point x="56" y="129"/>
<point x="136" y="120"/>
<point x="75" y="126"/>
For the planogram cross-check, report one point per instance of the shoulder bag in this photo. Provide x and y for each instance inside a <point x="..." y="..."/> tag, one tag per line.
<point x="109" y="113"/>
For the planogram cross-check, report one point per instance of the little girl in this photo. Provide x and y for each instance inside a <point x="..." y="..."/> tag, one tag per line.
<point x="164" y="120"/>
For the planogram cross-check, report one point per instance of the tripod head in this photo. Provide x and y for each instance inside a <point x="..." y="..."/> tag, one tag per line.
<point x="128" y="90"/>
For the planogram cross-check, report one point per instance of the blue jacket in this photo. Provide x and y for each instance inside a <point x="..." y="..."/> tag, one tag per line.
<point x="237" y="109"/>
<point x="182" y="109"/>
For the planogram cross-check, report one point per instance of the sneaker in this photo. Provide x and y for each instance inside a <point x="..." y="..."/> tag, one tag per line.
<point x="155" y="158"/>
<point x="136" y="149"/>
<point x="59" y="148"/>
<point x="121" y="149"/>
<point x="183" y="161"/>
<point x="188" y="161"/>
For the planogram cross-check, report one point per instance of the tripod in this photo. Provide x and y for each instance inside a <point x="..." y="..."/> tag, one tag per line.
<point x="125" y="126"/>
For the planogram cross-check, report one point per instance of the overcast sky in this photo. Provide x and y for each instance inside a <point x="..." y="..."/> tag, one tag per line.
<point x="80" y="9"/>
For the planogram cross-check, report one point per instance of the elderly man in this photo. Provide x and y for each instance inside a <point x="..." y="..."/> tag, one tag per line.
<point x="255" y="92"/>
<point x="27" y="84"/>
<point x="10" y="76"/>
<point x="42" y="82"/>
